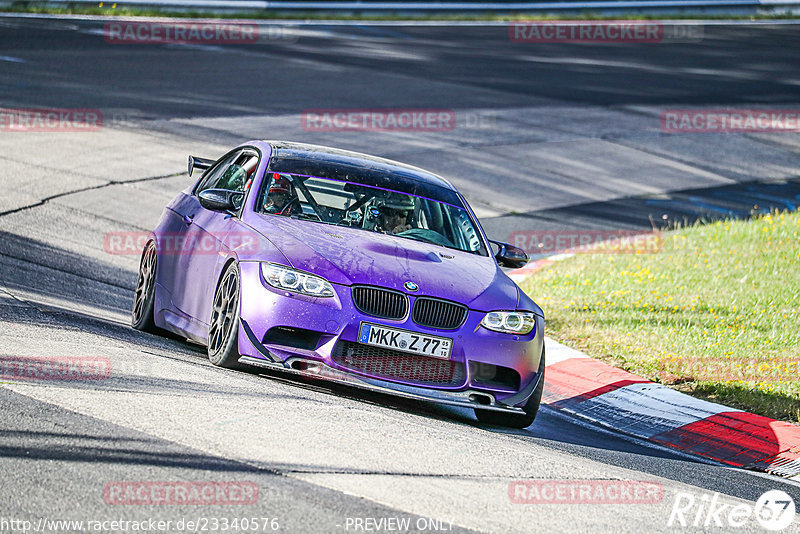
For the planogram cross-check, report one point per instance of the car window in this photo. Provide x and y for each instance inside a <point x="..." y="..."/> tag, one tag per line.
<point x="213" y="176"/>
<point x="232" y="179"/>
<point x="232" y="173"/>
<point x="371" y="209"/>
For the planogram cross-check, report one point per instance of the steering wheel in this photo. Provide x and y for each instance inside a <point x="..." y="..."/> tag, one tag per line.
<point x="286" y="210"/>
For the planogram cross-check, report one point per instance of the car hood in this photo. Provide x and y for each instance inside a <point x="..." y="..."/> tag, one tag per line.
<point x="351" y="256"/>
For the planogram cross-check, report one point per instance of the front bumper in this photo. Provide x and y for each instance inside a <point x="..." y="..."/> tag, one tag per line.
<point x="319" y="370"/>
<point x="337" y="321"/>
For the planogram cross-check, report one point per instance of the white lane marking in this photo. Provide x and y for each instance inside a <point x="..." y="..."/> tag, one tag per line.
<point x="12" y="59"/>
<point x="636" y="440"/>
<point x="556" y="352"/>
<point x="94" y="31"/>
<point x="647" y="409"/>
<point x="792" y="481"/>
<point x="594" y="427"/>
<point x="784" y="468"/>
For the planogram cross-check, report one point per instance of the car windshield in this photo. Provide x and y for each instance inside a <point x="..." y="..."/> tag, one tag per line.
<point x="371" y="209"/>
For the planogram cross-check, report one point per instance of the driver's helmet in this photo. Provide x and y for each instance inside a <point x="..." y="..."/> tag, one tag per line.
<point x="395" y="203"/>
<point x="391" y="212"/>
<point x="280" y="196"/>
<point x="280" y="185"/>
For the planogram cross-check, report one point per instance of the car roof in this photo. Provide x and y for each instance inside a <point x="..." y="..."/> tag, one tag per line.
<point x="344" y="165"/>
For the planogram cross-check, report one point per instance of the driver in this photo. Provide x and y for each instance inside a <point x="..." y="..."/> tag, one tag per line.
<point x="393" y="214"/>
<point x="282" y="198"/>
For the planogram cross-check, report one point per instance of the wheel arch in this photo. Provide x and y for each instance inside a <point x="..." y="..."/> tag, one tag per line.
<point x="223" y="268"/>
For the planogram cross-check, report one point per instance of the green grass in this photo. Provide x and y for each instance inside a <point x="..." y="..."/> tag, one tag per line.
<point x="715" y="313"/>
<point x="111" y="9"/>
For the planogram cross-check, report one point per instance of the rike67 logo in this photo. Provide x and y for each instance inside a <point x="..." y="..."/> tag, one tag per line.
<point x="774" y="510"/>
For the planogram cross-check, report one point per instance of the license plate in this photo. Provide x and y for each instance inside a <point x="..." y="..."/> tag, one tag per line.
<point x="406" y="341"/>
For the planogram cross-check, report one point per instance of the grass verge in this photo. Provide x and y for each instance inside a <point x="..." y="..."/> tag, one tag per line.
<point x="715" y="313"/>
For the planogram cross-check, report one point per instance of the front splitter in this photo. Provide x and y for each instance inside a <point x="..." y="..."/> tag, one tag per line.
<point x="314" y="369"/>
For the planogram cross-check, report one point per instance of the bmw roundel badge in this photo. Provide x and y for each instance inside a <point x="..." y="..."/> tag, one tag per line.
<point x="411" y="286"/>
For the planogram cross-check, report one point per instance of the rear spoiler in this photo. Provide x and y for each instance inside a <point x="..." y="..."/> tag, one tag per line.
<point x="199" y="163"/>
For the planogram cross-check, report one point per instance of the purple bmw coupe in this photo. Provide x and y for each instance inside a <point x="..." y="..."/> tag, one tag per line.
<point x="347" y="267"/>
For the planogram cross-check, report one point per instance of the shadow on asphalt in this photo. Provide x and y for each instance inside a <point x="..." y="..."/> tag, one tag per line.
<point x="666" y="210"/>
<point x="743" y="61"/>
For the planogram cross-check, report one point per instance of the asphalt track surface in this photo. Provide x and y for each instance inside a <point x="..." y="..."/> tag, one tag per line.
<point x="549" y="136"/>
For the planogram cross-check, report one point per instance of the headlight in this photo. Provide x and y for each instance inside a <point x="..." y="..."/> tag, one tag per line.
<point x="289" y="279"/>
<point x="510" y="322"/>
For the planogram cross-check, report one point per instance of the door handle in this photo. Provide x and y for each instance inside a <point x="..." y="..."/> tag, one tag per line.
<point x="188" y="219"/>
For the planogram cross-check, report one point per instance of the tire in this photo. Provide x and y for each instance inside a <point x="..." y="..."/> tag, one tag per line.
<point x="513" y="420"/>
<point x="144" y="296"/>
<point x="223" y="329"/>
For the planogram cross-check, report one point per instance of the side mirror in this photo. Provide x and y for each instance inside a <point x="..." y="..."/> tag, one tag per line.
<point x="510" y="256"/>
<point x="220" y="200"/>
